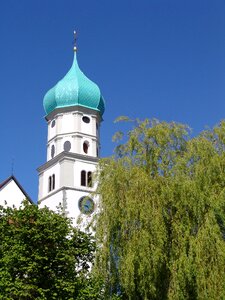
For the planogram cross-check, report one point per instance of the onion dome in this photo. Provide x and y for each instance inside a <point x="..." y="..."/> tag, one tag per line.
<point x="75" y="89"/>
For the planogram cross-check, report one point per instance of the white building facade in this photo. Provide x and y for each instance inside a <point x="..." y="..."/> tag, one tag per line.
<point x="74" y="109"/>
<point x="12" y="193"/>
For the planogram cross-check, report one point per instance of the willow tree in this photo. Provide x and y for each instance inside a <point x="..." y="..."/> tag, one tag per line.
<point x="161" y="227"/>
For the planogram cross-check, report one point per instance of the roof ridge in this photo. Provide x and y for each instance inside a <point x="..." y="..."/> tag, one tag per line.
<point x="12" y="177"/>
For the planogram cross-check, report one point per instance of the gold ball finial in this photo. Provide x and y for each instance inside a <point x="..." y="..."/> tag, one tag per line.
<point x="75" y="41"/>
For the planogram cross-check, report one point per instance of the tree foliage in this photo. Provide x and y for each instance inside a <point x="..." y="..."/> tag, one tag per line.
<point x="161" y="227"/>
<point x="43" y="257"/>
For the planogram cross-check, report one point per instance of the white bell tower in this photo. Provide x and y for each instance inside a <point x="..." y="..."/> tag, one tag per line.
<point x="74" y="108"/>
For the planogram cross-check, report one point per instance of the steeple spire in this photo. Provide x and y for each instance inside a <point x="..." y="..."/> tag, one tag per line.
<point x="74" y="109"/>
<point x="74" y="89"/>
<point x="75" y="41"/>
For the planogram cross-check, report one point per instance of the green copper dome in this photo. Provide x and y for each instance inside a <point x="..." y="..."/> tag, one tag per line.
<point x="74" y="89"/>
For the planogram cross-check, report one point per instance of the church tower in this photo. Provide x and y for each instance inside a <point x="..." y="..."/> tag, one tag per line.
<point x="74" y="109"/>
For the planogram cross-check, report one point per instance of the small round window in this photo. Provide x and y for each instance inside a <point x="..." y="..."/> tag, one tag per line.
<point x="85" y="119"/>
<point x="67" y="146"/>
<point x="52" y="151"/>
<point x="53" y="124"/>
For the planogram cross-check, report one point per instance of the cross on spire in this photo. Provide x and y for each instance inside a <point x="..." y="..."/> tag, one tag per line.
<point x="75" y="41"/>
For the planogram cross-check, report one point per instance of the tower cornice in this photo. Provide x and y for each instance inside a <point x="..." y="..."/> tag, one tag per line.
<point x="74" y="109"/>
<point x="67" y="155"/>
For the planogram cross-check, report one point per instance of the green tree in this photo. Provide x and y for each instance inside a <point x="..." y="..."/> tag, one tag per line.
<point x="43" y="257"/>
<point x="161" y="227"/>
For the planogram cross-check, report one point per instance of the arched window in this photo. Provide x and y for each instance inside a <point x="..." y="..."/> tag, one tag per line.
<point x="86" y="179"/>
<point x="83" y="178"/>
<point x="89" y="179"/>
<point x="67" y="146"/>
<point x="53" y="181"/>
<point x="52" y="151"/>
<point x="85" y="147"/>
<point x="49" y="183"/>
<point x="53" y="123"/>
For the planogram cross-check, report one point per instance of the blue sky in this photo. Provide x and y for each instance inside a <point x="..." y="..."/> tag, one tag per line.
<point x="160" y="59"/>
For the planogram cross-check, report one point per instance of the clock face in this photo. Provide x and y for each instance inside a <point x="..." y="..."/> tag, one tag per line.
<point x="86" y="205"/>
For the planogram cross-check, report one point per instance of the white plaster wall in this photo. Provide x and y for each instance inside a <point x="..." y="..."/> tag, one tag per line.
<point x="67" y="173"/>
<point x="48" y="152"/>
<point x="58" y="142"/>
<point x="12" y="194"/>
<point x="59" y="169"/>
<point x="52" y="130"/>
<point x="69" y="126"/>
<point x="71" y="205"/>
<point x="77" y="144"/>
<point x="77" y="120"/>
<point x="67" y="123"/>
<point x="72" y="122"/>
<point x="58" y="145"/>
<point x="87" y="128"/>
<point x="40" y="186"/>
<point x="53" y="201"/>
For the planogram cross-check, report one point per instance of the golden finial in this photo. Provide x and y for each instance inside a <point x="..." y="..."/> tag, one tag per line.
<point x="75" y="41"/>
